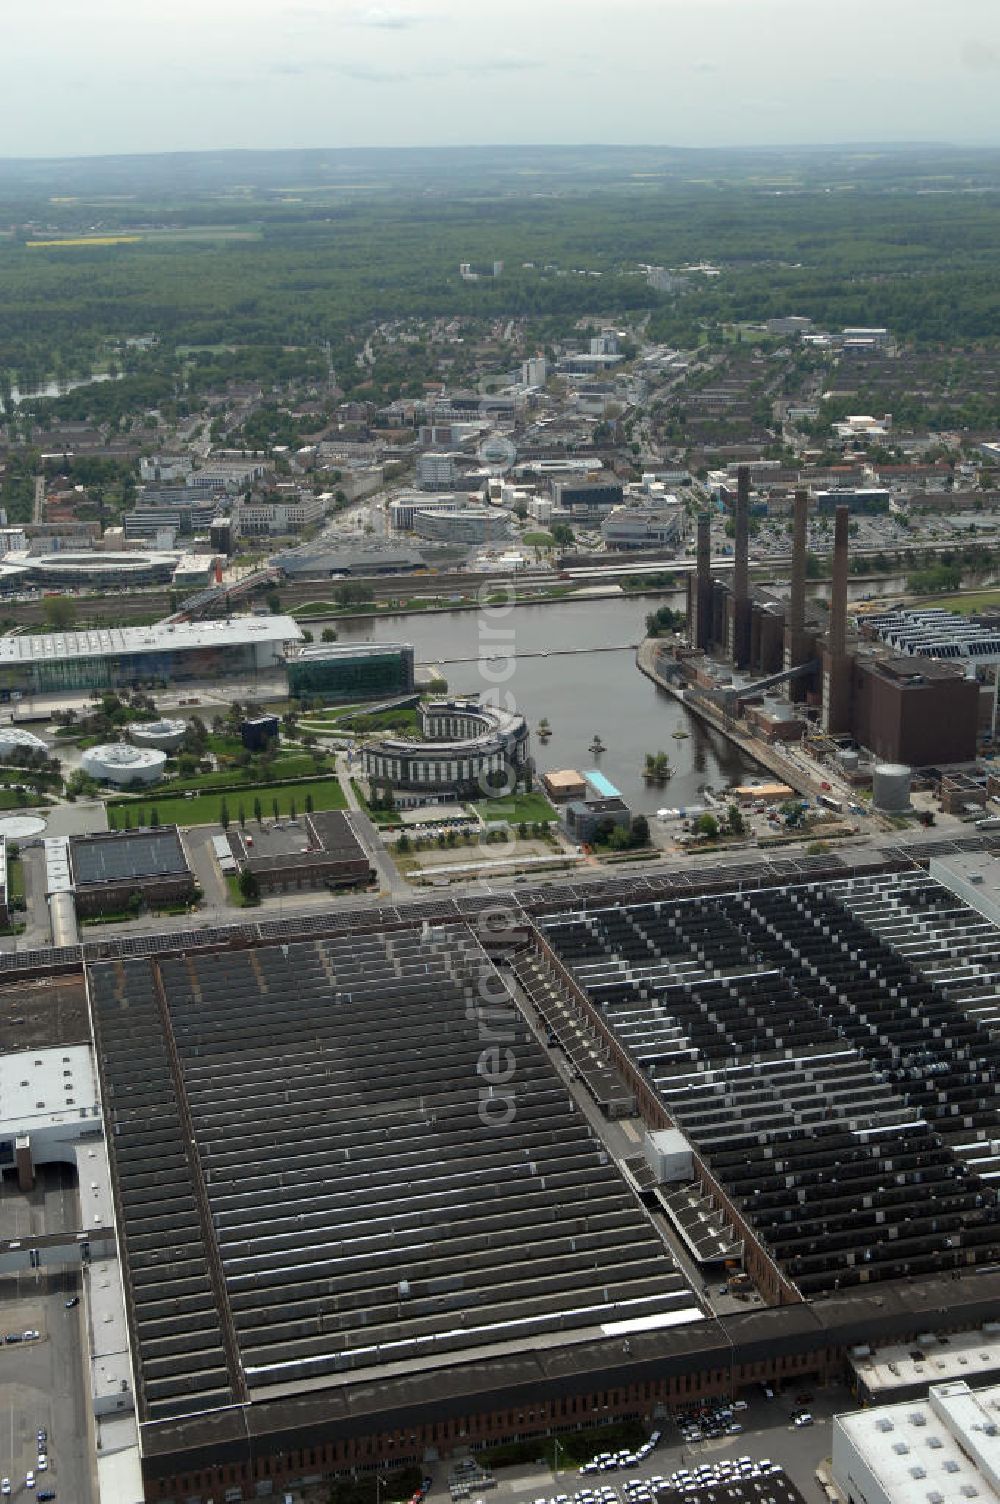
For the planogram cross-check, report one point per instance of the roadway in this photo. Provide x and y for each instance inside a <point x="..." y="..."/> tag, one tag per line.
<point x="45" y="1384"/>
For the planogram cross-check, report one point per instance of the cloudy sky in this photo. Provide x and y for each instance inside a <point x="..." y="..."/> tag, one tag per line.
<point x="160" y="75"/>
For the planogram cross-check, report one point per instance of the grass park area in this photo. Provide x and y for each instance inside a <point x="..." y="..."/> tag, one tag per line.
<point x="516" y="807"/>
<point x="966" y="603"/>
<point x="285" y="765"/>
<point x="206" y="809"/>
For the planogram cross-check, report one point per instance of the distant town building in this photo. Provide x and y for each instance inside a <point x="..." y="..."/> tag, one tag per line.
<point x="587" y="495"/>
<point x="642" y="527"/>
<point x="274" y="515"/>
<point x="535" y="372"/>
<point x="472" y="271"/>
<point x="436" y="472"/>
<point x="464" y="525"/>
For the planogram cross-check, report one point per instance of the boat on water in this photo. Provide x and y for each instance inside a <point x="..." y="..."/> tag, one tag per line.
<point x="680" y="736"/>
<point x="597" y="745"/>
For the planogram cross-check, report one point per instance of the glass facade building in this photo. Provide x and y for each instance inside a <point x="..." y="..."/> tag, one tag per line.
<point x="361" y="671"/>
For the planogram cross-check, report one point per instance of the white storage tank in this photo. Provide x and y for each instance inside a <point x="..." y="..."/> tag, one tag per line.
<point x="891" y="788"/>
<point x="165" y="735"/>
<point x="124" y="765"/>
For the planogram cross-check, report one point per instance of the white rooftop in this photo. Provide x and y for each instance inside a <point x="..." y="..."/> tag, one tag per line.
<point x="42" y="1088"/>
<point x="963" y="1356"/>
<point x="942" y="1450"/>
<point x="57" y="873"/>
<point x="162" y="636"/>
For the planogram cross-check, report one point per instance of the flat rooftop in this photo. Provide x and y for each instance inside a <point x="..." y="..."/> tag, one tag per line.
<point x="928" y="1449"/>
<point x="334" y="652"/>
<point x="320" y="1187"/>
<point x="132" y="855"/>
<point x="46" y="1087"/>
<point x="161" y="637"/>
<point x="929" y="1359"/>
<point x="832" y="1053"/>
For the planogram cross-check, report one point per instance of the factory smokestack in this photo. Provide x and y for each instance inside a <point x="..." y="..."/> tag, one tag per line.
<point x="795" y="647"/>
<point x="797" y="600"/>
<point x="740" y="638"/>
<point x="838" y="590"/>
<point x="836" y="664"/>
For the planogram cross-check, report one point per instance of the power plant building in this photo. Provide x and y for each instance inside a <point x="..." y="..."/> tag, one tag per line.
<point x="906" y="706"/>
<point x="914" y="710"/>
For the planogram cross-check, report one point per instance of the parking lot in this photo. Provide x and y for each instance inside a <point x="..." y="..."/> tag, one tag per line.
<point x="43" y="1381"/>
<point x="768" y="1433"/>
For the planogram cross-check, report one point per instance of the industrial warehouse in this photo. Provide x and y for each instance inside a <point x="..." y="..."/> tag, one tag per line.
<point x="364" y="1215"/>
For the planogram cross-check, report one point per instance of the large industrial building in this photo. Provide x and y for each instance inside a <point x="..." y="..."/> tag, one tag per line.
<point x="362" y="1219"/>
<point x="168" y="651"/>
<point x="922" y="713"/>
<point x="309" y="851"/>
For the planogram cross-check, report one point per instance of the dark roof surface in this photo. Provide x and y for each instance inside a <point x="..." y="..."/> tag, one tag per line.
<point x="135" y="855"/>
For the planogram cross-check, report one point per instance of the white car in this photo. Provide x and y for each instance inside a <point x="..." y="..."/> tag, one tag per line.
<point x="29" y="1480"/>
<point x="42" y="1463"/>
<point x="4" y="1485"/>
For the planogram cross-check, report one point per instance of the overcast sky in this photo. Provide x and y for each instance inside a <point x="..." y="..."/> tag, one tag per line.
<point x="162" y="75"/>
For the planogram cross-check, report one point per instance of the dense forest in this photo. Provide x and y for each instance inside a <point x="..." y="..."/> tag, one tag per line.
<point x="844" y="239"/>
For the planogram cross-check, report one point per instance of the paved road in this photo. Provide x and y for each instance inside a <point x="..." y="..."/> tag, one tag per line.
<point x="44" y="1384"/>
<point x="389" y="875"/>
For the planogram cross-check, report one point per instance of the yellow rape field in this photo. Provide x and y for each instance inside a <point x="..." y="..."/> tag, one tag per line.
<point x="89" y="240"/>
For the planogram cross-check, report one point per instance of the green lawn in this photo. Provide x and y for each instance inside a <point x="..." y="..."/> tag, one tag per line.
<point x="405" y="720"/>
<point x="515" y="808"/>
<point x="15" y="881"/>
<point x="205" y="809"/>
<point x="972" y="600"/>
<point x="285" y="765"/>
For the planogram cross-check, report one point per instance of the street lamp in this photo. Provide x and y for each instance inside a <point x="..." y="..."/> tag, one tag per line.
<point x="556" y="1447"/>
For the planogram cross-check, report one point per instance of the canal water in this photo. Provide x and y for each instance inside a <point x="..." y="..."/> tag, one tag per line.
<point x="580" y="693"/>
